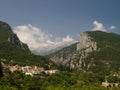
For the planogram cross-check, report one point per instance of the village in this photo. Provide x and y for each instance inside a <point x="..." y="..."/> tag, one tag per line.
<point x="36" y="70"/>
<point x="33" y="70"/>
<point x="28" y="70"/>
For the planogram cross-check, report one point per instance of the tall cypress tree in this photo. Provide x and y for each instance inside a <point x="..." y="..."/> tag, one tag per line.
<point x="1" y="73"/>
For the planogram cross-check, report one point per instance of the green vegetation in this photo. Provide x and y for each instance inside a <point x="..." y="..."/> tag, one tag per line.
<point x="113" y="79"/>
<point x="107" y="58"/>
<point x="63" y="53"/>
<point x="63" y="81"/>
<point x="5" y="31"/>
<point x="14" y="53"/>
<point x="105" y="63"/>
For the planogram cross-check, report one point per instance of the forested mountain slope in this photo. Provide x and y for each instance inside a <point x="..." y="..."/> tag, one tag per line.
<point x="13" y="51"/>
<point x="96" y="51"/>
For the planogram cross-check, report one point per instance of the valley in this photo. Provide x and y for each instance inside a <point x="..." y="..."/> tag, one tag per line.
<point x="93" y="63"/>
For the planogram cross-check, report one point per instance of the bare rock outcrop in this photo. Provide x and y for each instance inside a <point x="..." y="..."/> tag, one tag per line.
<point x="84" y="47"/>
<point x="85" y="42"/>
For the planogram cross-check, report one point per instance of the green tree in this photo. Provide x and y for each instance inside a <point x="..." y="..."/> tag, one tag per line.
<point x="112" y="79"/>
<point x="1" y="73"/>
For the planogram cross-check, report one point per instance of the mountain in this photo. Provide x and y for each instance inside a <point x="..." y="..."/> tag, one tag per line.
<point x="13" y="51"/>
<point x="7" y="35"/>
<point x="61" y="56"/>
<point x="96" y="51"/>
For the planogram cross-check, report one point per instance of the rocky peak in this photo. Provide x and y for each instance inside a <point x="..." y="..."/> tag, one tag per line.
<point x="86" y="43"/>
<point x="96" y="51"/>
<point x="85" y="46"/>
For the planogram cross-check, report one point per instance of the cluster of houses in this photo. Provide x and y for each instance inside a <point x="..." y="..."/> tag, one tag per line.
<point x="107" y="84"/>
<point x="32" y="70"/>
<point x="27" y="70"/>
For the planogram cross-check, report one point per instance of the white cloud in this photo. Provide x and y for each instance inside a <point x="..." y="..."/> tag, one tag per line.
<point x="98" y="26"/>
<point x="40" y="41"/>
<point x="112" y="27"/>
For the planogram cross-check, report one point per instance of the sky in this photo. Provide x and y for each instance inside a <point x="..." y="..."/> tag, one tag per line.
<point x="49" y="24"/>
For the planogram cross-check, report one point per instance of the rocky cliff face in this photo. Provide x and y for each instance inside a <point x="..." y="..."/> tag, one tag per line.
<point x="15" y="40"/>
<point x="84" y="47"/>
<point x="77" y="58"/>
<point x="95" y="51"/>
<point x="86" y="43"/>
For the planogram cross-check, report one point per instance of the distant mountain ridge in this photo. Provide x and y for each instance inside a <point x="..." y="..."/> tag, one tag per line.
<point x="96" y="51"/>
